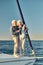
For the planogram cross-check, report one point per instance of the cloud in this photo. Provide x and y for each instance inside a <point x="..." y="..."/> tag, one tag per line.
<point x="36" y="36"/>
<point x="32" y="37"/>
<point x="5" y="38"/>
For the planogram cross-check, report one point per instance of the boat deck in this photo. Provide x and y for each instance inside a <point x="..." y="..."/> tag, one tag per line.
<point x="10" y="60"/>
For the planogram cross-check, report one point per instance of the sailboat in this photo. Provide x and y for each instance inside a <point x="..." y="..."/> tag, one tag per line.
<point x="6" y="59"/>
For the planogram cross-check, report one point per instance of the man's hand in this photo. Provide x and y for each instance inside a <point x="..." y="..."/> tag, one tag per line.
<point x="18" y="31"/>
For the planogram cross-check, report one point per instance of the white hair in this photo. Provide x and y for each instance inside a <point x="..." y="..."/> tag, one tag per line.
<point x="13" y="21"/>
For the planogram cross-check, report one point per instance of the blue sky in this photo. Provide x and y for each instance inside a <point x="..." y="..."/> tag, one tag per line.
<point x="33" y="15"/>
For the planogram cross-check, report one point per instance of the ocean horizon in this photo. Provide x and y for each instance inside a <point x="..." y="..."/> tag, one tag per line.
<point x="6" y="47"/>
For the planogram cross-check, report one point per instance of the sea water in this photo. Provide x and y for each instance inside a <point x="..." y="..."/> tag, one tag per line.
<point x="7" y="48"/>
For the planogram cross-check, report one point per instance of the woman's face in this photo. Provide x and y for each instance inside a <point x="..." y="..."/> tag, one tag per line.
<point x="20" y="24"/>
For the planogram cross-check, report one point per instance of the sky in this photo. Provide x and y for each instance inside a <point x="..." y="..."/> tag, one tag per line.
<point x="33" y="14"/>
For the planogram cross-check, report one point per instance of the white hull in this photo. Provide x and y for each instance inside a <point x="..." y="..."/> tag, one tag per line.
<point x="10" y="60"/>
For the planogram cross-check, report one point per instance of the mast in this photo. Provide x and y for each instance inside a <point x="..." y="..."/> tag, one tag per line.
<point x="24" y="23"/>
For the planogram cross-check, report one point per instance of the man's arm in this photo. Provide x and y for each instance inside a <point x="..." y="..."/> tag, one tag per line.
<point x="17" y="31"/>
